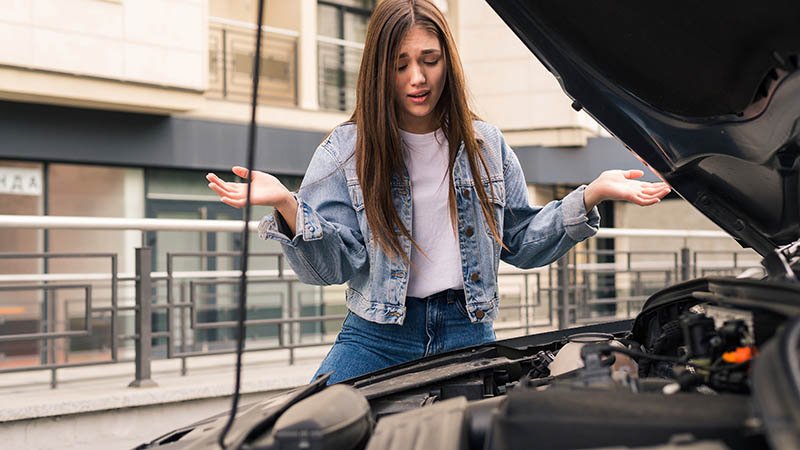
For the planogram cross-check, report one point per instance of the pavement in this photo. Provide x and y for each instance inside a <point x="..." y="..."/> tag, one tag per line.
<point x="28" y="395"/>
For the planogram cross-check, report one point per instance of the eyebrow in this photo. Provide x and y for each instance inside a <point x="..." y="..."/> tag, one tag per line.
<point x="427" y="51"/>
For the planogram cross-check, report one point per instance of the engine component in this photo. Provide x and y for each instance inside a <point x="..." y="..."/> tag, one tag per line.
<point x="439" y="426"/>
<point x="319" y="421"/>
<point x="698" y="332"/>
<point x="541" y="364"/>
<point x="569" y="358"/>
<point x="733" y="334"/>
<point x="565" y="418"/>
<point x="671" y="338"/>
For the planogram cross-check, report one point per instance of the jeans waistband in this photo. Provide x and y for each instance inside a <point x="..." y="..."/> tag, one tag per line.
<point x="449" y="294"/>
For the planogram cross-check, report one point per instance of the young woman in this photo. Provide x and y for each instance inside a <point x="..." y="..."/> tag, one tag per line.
<point x="414" y="201"/>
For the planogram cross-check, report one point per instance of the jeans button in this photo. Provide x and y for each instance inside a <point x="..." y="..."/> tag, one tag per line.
<point x="479" y="314"/>
<point x="475" y="277"/>
<point x="469" y="231"/>
<point x="465" y="192"/>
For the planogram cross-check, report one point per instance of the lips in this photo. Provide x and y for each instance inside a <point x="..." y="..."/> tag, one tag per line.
<point x="419" y="96"/>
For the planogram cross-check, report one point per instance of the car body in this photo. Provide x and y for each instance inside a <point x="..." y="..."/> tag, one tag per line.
<point x="708" y="95"/>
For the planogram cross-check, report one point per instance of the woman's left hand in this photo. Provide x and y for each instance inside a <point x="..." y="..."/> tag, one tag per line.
<point x="622" y="185"/>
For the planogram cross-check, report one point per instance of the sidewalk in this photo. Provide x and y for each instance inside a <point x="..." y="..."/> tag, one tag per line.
<point x="27" y="395"/>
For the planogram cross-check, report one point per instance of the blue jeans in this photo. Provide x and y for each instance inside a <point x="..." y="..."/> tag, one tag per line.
<point x="434" y="324"/>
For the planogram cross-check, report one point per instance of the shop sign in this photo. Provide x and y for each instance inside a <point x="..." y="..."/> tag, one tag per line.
<point x="20" y="181"/>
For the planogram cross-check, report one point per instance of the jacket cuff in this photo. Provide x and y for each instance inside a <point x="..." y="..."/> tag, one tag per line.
<point x="307" y="224"/>
<point x="579" y="224"/>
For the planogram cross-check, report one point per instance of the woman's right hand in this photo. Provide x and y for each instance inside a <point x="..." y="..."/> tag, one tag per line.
<point x="265" y="189"/>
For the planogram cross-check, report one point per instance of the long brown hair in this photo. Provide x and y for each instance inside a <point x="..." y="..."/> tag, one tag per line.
<point x="378" y="152"/>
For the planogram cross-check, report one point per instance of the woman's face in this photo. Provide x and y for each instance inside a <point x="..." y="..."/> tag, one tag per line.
<point x="419" y="80"/>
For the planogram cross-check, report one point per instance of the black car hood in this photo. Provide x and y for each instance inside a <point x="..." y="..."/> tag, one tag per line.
<point x="707" y="93"/>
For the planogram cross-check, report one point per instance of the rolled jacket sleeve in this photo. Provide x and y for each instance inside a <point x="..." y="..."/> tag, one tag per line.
<point x="306" y="223"/>
<point x="535" y="236"/>
<point x="578" y="223"/>
<point x="328" y="247"/>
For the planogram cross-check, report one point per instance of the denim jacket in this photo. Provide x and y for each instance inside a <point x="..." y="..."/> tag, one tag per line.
<point x="334" y="244"/>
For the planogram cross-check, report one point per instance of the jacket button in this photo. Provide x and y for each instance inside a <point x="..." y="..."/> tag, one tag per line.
<point x="465" y="192"/>
<point x="469" y="231"/>
<point x="479" y="314"/>
<point x="474" y="276"/>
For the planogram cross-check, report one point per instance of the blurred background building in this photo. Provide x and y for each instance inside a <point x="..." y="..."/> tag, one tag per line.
<point x="118" y="108"/>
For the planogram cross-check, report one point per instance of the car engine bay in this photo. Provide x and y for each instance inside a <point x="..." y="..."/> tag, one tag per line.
<point x="687" y="382"/>
<point x="707" y="364"/>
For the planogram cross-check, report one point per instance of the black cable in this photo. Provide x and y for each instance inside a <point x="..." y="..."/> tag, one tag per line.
<point x="605" y="348"/>
<point x="251" y="151"/>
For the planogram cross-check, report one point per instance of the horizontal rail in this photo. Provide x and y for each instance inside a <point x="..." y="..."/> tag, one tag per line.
<point x="251" y="26"/>
<point x="276" y="321"/>
<point x="289" y="274"/>
<point x="340" y="42"/>
<point x="34" y="336"/>
<point x="116" y="223"/>
<point x="285" y="346"/>
<point x="648" y="232"/>
<point x="130" y="276"/>
<point x="63" y="365"/>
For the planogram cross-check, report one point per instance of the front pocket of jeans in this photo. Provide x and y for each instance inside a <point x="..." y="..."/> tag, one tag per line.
<point x="461" y="306"/>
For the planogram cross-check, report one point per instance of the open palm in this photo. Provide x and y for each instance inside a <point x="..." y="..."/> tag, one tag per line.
<point x="266" y="190"/>
<point x="622" y="185"/>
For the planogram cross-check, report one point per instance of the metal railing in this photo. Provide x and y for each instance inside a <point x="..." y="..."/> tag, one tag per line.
<point x="110" y="317"/>
<point x="338" y="64"/>
<point x="231" y="49"/>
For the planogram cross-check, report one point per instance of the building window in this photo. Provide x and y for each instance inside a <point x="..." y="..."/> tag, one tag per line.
<point x="341" y="29"/>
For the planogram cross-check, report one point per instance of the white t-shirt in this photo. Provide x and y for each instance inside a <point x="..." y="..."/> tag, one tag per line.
<point x="439" y="268"/>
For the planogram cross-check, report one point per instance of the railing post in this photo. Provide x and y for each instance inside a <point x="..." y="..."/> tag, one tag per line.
<point x="563" y="292"/>
<point x="686" y="266"/>
<point x="144" y="327"/>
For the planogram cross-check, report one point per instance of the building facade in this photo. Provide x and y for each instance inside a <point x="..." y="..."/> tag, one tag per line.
<point x="118" y="108"/>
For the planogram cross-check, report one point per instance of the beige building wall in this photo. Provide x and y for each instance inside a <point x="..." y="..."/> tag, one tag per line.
<point x="123" y="54"/>
<point x="288" y="19"/>
<point x="509" y="86"/>
<point x="279" y="13"/>
<point x="160" y="42"/>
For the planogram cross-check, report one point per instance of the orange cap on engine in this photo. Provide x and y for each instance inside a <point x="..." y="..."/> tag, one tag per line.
<point x="740" y="355"/>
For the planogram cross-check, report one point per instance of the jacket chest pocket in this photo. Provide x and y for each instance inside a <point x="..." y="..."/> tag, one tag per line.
<point x="356" y="196"/>
<point x="357" y="200"/>
<point x="496" y="192"/>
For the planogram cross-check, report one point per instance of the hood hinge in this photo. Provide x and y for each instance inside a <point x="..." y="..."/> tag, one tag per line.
<point x="784" y="263"/>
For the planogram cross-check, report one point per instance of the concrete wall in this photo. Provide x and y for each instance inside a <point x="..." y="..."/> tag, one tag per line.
<point x="510" y="87"/>
<point x="117" y="54"/>
<point x="279" y="13"/>
<point x="149" y="41"/>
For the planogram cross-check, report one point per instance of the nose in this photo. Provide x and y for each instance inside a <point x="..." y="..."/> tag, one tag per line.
<point x="417" y="75"/>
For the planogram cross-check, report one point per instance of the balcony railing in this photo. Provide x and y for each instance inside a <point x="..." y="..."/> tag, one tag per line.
<point x="338" y="63"/>
<point x="231" y="50"/>
<point x="69" y="319"/>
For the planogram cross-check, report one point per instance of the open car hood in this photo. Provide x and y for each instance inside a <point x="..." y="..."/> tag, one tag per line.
<point x="707" y="93"/>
